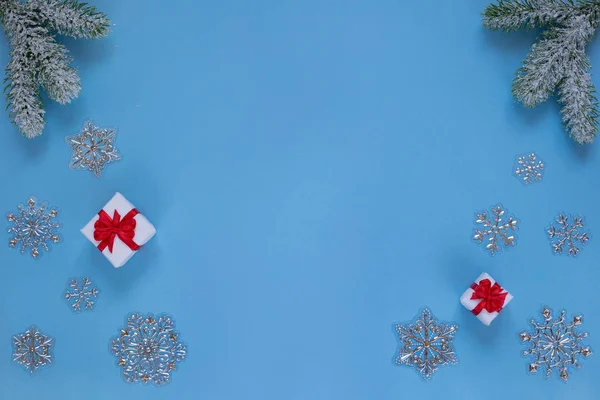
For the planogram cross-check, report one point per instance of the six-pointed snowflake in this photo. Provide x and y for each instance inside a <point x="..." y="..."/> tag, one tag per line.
<point x="93" y="148"/>
<point x="148" y="349"/>
<point x="529" y="168"/>
<point x="425" y="344"/>
<point x="555" y="344"/>
<point x="32" y="349"/>
<point x="497" y="231"/>
<point x="564" y="234"/>
<point x="81" y="292"/>
<point x="33" y="227"/>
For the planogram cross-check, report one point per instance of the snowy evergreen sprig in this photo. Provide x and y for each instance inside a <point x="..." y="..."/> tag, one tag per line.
<point x="38" y="60"/>
<point x="557" y="60"/>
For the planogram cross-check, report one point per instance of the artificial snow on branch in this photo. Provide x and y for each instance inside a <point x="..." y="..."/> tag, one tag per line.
<point x="557" y="60"/>
<point x="38" y="60"/>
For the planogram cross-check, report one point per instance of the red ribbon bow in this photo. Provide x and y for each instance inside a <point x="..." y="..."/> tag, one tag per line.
<point x="106" y="229"/>
<point x="492" y="298"/>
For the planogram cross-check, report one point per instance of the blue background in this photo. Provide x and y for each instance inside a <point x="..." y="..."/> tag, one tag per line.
<point x="313" y="168"/>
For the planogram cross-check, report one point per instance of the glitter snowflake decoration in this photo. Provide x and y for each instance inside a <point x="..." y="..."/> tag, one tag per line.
<point x="496" y="231"/>
<point x="33" y="227"/>
<point x="425" y="344"/>
<point x="564" y="234"/>
<point x="529" y="168"/>
<point x="555" y="344"/>
<point x="148" y="349"/>
<point x="32" y="349"/>
<point x="81" y="292"/>
<point x="93" y="148"/>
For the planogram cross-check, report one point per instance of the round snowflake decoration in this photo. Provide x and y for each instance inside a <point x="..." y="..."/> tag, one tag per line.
<point x="555" y="344"/>
<point x="93" y="148"/>
<point x="148" y="349"/>
<point x="32" y="349"/>
<point x="529" y="168"/>
<point x="33" y="227"/>
<point x="425" y="344"/>
<point x="81" y="294"/>
<point x="496" y="230"/>
<point x="568" y="233"/>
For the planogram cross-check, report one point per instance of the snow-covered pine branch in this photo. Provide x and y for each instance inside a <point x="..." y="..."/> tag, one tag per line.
<point x="512" y="15"/>
<point x="558" y="59"/>
<point x="37" y="59"/>
<point x="71" y="18"/>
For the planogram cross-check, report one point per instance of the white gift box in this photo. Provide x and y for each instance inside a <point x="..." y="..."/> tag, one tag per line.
<point x="481" y="312"/>
<point x="132" y="224"/>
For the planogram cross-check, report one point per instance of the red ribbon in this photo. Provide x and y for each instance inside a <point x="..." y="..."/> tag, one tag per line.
<point x="106" y="229"/>
<point x="492" y="298"/>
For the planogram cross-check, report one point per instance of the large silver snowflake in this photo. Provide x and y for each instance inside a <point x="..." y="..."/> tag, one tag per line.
<point x="529" y="168"/>
<point x="497" y="231"/>
<point x="32" y="349"/>
<point x="425" y="344"/>
<point x="555" y="344"/>
<point x="33" y="227"/>
<point x="81" y="292"/>
<point x="564" y="234"/>
<point x="148" y="349"/>
<point x="93" y="148"/>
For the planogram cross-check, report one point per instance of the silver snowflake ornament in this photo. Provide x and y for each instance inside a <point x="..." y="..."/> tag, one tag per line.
<point x="495" y="230"/>
<point x="425" y="344"/>
<point x="33" y="228"/>
<point x="555" y="344"/>
<point x="148" y="349"/>
<point x="32" y="349"/>
<point x="81" y="294"/>
<point x="93" y="148"/>
<point x="529" y="168"/>
<point x="566" y="234"/>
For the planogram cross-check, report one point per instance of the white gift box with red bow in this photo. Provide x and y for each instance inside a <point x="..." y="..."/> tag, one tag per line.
<point x="485" y="298"/>
<point x="119" y="230"/>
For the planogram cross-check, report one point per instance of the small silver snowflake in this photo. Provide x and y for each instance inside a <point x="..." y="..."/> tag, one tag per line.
<point x="564" y="234"/>
<point x="497" y="231"/>
<point x="148" y="349"/>
<point x="529" y="168"/>
<point x="425" y="344"/>
<point x="555" y="344"/>
<point x="33" y="227"/>
<point x="81" y="292"/>
<point x="93" y="148"/>
<point x="32" y="349"/>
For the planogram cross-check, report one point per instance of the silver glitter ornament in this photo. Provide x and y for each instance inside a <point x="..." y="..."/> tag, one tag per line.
<point x="555" y="344"/>
<point x="425" y="344"/>
<point x="32" y="349"/>
<point x="148" y="349"/>
<point x="81" y="292"/>
<point x="565" y="234"/>
<point x="33" y="227"/>
<point x="93" y="148"/>
<point x="497" y="231"/>
<point x="529" y="168"/>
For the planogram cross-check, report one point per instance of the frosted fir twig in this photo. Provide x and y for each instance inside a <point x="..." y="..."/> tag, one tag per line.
<point x="557" y="60"/>
<point x="513" y="15"/>
<point x="37" y="60"/>
<point x="70" y="17"/>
